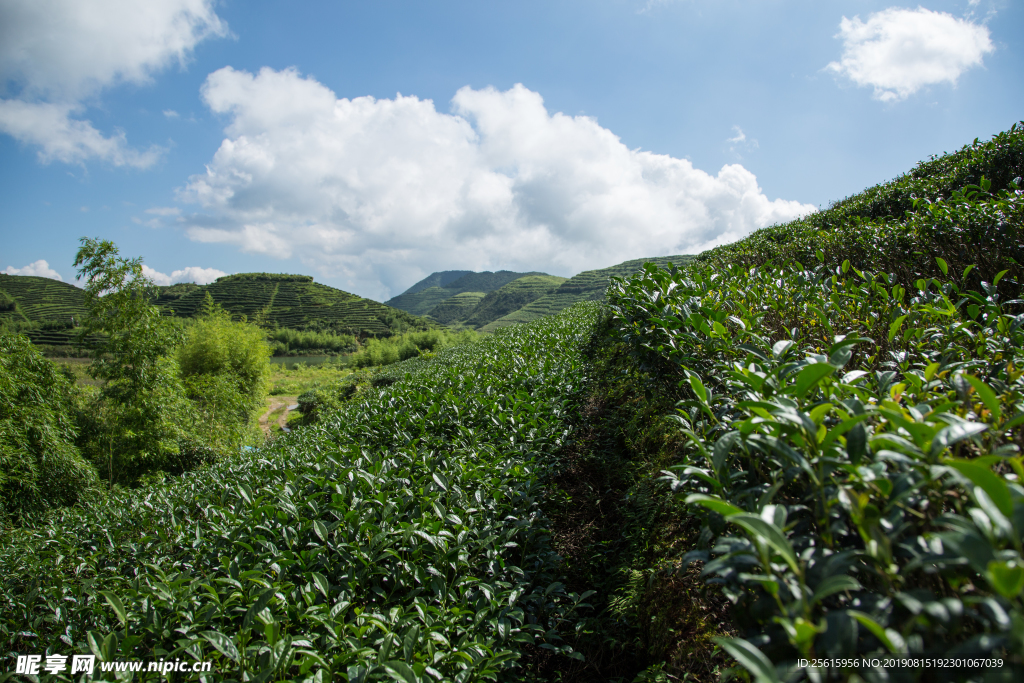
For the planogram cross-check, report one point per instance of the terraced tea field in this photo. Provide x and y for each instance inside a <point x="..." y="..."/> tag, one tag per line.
<point x="590" y="285"/>
<point x="293" y="301"/>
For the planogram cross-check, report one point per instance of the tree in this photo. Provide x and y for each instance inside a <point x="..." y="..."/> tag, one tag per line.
<point x="137" y="425"/>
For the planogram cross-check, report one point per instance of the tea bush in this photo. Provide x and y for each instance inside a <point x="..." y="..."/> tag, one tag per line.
<point x="854" y="455"/>
<point x="400" y="538"/>
<point x="965" y="208"/>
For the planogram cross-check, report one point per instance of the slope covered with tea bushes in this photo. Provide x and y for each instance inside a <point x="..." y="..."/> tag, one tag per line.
<point x="437" y="288"/>
<point x="291" y="301"/>
<point x="400" y="538"/>
<point x="590" y="285"/>
<point x="850" y="393"/>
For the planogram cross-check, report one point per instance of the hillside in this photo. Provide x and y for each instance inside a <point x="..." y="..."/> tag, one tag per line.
<point x="43" y="309"/>
<point x="420" y="300"/>
<point x="47" y="310"/>
<point x="457" y="308"/>
<point x="437" y="279"/>
<point x="834" y="417"/>
<point x="291" y="301"/>
<point x="590" y="285"/>
<point x="512" y="297"/>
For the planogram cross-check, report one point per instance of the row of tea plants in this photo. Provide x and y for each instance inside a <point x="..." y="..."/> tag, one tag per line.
<point x="854" y="455"/>
<point x="399" y="538"/>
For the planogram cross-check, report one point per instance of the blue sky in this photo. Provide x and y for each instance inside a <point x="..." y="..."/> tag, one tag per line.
<point x="220" y="137"/>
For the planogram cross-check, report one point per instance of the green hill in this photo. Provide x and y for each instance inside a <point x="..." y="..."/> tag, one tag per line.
<point x="292" y="301"/>
<point x="438" y="279"/>
<point x="589" y="285"/>
<point x="420" y="300"/>
<point x="43" y="309"/>
<point x="47" y="311"/>
<point x="512" y="297"/>
<point x="457" y="308"/>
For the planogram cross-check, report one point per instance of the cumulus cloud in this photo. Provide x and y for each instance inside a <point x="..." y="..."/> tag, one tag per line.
<point x="39" y="268"/>
<point x="381" y="192"/>
<point x="200" y="276"/>
<point x="899" y="51"/>
<point x="56" y="55"/>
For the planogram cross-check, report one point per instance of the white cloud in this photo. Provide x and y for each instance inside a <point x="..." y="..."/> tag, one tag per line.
<point x="171" y="114"/>
<point x="56" y="55"/>
<point x="62" y="138"/>
<point x="39" y="268"/>
<point x="382" y="192"/>
<point x="200" y="276"/>
<point x="899" y="51"/>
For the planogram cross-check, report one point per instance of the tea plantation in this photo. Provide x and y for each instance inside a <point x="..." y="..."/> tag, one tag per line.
<point x="590" y="285"/>
<point x="437" y="288"/>
<point x="851" y="400"/>
<point x="399" y="539"/>
<point x="291" y="301"/>
<point x="797" y="457"/>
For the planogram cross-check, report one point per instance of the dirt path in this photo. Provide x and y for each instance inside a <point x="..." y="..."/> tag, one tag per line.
<point x="274" y="403"/>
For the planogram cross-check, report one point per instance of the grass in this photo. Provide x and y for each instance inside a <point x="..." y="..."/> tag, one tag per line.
<point x="285" y="382"/>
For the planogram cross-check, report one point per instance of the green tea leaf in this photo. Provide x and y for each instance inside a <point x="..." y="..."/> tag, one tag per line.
<point x="226" y="646"/>
<point x="834" y="584"/>
<point x="713" y="503"/>
<point x="1007" y="579"/>
<point x="117" y="605"/>
<point x="811" y="375"/>
<point x="988" y="397"/>
<point x="752" y="659"/>
<point x="988" y="481"/>
<point x="770" y="533"/>
<point x="955" y="433"/>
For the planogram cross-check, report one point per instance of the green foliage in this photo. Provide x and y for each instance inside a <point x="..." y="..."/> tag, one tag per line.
<point x="589" y="285"/>
<point x="7" y="302"/>
<point x="854" y="453"/>
<point x="138" y="421"/>
<point x="399" y="538"/>
<point x="293" y="302"/>
<point x="287" y="341"/>
<point x="964" y="209"/>
<point x="378" y="352"/>
<point x="226" y="374"/>
<point x="40" y="467"/>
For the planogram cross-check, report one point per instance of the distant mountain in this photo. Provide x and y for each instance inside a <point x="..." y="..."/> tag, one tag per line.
<point x="421" y="300"/>
<point x="439" y="279"/>
<point x="589" y="285"/>
<point x="487" y="301"/>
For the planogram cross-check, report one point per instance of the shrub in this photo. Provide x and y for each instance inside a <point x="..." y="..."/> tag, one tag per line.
<point x="854" y="454"/>
<point x="40" y="467"/>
